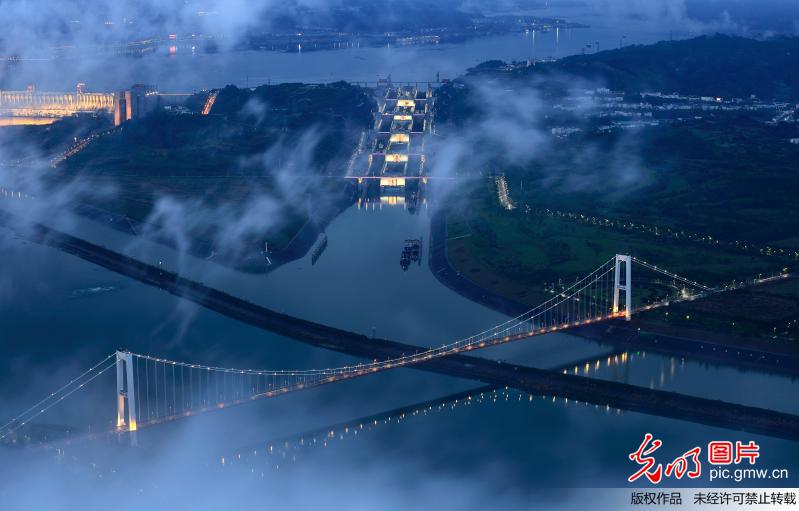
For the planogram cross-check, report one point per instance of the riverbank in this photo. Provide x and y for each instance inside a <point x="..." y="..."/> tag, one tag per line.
<point x="328" y="207"/>
<point x="453" y="279"/>
<point x="744" y="353"/>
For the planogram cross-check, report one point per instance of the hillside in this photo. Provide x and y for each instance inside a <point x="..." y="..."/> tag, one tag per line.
<point x="704" y="66"/>
<point x="705" y="187"/>
<point x="263" y="148"/>
<point x="243" y="124"/>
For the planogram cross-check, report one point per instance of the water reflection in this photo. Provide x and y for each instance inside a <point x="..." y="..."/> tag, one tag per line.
<point x="186" y="71"/>
<point x="279" y="452"/>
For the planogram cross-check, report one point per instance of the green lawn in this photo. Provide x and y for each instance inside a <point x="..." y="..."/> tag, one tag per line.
<point x="534" y="249"/>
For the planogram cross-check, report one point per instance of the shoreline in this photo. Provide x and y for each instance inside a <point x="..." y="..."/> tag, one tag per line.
<point x="746" y="354"/>
<point x="297" y="248"/>
<point x="446" y="274"/>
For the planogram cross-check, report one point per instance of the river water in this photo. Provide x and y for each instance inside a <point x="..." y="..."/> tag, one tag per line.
<point x="189" y="71"/>
<point x="58" y="315"/>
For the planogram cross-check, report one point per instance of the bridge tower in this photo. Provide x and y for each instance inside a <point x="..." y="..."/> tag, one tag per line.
<point x="126" y="393"/>
<point x="627" y="287"/>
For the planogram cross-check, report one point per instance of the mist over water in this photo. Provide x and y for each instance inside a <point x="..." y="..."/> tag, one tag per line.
<point x="187" y="72"/>
<point x="476" y="450"/>
<point x="611" y="23"/>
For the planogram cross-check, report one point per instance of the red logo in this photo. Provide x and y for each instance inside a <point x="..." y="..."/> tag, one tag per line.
<point x="680" y="466"/>
<point x="641" y="456"/>
<point x="719" y="452"/>
<point x="750" y="451"/>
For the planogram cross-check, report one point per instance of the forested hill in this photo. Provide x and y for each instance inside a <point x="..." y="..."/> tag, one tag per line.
<point x="705" y="66"/>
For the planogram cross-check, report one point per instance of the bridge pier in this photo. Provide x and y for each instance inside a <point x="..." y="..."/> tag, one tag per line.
<point x="126" y="395"/>
<point x="627" y="287"/>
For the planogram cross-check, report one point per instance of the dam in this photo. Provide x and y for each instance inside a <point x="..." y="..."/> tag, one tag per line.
<point x="45" y="107"/>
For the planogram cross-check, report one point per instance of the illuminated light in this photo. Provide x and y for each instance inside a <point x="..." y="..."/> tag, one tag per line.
<point x="396" y="158"/>
<point x="392" y="181"/>
<point x="392" y="200"/>
<point x="406" y="103"/>
<point x="400" y="137"/>
<point x="27" y="121"/>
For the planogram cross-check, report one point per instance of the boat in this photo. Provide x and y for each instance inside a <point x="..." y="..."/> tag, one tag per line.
<point x="411" y="253"/>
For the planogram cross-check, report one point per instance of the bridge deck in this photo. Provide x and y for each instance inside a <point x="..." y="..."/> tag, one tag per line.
<point x="536" y="381"/>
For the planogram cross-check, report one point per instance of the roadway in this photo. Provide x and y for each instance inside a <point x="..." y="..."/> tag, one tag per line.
<point x="535" y="381"/>
<point x="718" y="349"/>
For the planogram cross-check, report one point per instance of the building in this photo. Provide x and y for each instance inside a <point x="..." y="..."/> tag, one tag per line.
<point x="136" y="102"/>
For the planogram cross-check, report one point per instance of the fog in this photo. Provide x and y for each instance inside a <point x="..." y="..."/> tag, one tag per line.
<point x="513" y="128"/>
<point x="359" y="473"/>
<point x="182" y="465"/>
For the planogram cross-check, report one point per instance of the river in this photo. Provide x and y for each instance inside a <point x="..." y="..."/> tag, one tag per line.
<point x="67" y="314"/>
<point x="189" y="71"/>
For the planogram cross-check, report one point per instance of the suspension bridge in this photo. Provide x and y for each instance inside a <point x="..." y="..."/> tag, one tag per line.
<point x="151" y="390"/>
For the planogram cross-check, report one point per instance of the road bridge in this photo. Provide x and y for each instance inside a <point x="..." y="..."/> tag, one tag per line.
<point x="606" y="292"/>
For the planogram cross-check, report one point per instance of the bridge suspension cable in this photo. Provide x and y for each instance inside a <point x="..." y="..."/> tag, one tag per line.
<point x="151" y="390"/>
<point x="173" y="389"/>
<point x="672" y="275"/>
<point x="56" y="397"/>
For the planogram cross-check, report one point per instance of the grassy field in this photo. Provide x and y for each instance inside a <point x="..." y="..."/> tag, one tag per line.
<point x="708" y="195"/>
<point x="534" y="249"/>
<point x="731" y="178"/>
<point x="768" y="313"/>
<point x="523" y="256"/>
